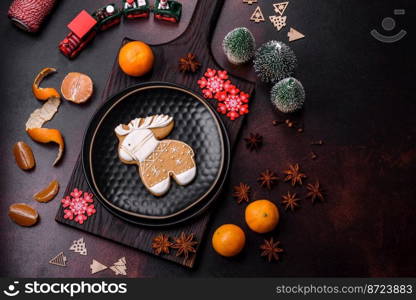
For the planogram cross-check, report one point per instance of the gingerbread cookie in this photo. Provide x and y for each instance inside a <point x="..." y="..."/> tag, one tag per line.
<point x="141" y="143"/>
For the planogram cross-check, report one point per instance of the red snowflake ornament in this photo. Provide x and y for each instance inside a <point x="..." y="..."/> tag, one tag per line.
<point x="231" y="101"/>
<point x="212" y="82"/>
<point x="79" y="206"/>
<point x="234" y="106"/>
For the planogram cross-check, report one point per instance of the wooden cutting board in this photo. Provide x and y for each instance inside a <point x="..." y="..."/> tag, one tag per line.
<point x="196" y="39"/>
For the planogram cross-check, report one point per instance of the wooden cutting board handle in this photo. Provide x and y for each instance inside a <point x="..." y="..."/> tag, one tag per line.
<point x="203" y="23"/>
<point x="197" y="40"/>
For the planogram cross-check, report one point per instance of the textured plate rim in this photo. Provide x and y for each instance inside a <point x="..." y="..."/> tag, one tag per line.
<point x="136" y="89"/>
<point x="203" y="206"/>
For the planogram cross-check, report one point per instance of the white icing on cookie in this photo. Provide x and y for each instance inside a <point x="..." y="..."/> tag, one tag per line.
<point x="138" y="145"/>
<point x="158" y="160"/>
<point x="161" y="187"/>
<point x="186" y="177"/>
<point x="121" y="131"/>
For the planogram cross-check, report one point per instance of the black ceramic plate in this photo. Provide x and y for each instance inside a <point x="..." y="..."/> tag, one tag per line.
<point x="119" y="187"/>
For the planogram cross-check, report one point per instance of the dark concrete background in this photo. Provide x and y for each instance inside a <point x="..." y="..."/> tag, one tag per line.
<point x="360" y="101"/>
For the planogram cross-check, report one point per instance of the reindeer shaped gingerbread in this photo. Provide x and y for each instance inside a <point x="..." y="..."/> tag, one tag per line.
<point x="141" y="143"/>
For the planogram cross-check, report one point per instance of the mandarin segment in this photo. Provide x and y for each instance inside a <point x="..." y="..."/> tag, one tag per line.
<point x="48" y="193"/>
<point x="23" y="214"/>
<point x="24" y="156"/>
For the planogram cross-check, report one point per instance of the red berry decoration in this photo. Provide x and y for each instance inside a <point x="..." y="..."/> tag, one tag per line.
<point x="231" y="101"/>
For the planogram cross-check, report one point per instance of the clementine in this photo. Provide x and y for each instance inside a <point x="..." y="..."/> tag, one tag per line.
<point x="136" y="58"/>
<point x="228" y="240"/>
<point x="262" y="216"/>
<point x="77" y="87"/>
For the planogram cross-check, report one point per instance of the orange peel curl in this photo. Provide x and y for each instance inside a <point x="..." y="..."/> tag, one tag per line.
<point x="44" y="93"/>
<point x="47" y="135"/>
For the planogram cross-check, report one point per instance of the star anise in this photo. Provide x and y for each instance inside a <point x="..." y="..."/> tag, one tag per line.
<point x="290" y="201"/>
<point x="189" y="63"/>
<point x="271" y="249"/>
<point x="242" y="192"/>
<point x="184" y="244"/>
<point x="254" y="141"/>
<point x="294" y="174"/>
<point x="161" y="244"/>
<point x="315" y="192"/>
<point x="268" y="179"/>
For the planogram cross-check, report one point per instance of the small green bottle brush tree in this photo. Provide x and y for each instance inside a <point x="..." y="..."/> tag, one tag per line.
<point x="239" y="45"/>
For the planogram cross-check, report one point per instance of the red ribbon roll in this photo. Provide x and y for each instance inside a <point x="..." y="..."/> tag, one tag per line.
<point x="30" y="14"/>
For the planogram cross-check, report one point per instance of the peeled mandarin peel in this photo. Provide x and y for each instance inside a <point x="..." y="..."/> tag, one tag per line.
<point x="47" y="135"/>
<point x="44" y="93"/>
<point x="44" y="114"/>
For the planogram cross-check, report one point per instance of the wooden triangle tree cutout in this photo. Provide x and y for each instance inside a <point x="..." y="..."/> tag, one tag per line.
<point x="119" y="267"/>
<point x="294" y="35"/>
<point x="97" y="267"/>
<point x="257" y="15"/>
<point x="78" y="246"/>
<point x="280" y="8"/>
<point x="250" y="1"/>
<point x="278" y="22"/>
<point x="59" y="260"/>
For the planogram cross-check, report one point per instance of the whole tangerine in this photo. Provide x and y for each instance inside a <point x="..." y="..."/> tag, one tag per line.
<point x="136" y="58"/>
<point x="262" y="216"/>
<point x="228" y="240"/>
